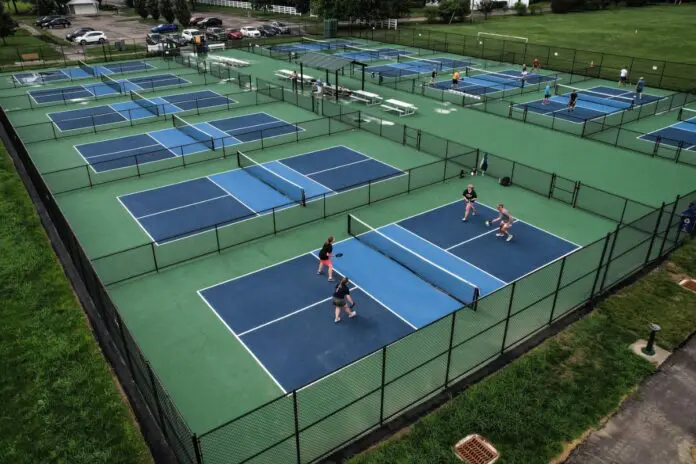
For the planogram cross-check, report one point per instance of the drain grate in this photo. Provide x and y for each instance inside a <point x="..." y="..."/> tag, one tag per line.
<point x="475" y="449"/>
<point x="689" y="284"/>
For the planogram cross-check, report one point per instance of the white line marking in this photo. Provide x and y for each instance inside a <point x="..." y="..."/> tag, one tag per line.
<point x="242" y="343"/>
<point x="136" y="220"/>
<point x="470" y="239"/>
<point x="181" y="207"/>
<point x="252" y="210"/>
<point x="336" y="167"/>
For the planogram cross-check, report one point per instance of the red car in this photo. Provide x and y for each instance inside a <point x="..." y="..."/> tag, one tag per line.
<point x="195" y="20"/>
<point x="234" y="34"/>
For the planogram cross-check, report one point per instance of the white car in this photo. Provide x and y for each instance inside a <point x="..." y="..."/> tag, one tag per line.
<point x="91" y="37"/>
<point x="249" y="31"/>
<point x="189" y="34"/>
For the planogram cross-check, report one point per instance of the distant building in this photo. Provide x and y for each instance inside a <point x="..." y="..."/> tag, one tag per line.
<point x="83" y="7"/>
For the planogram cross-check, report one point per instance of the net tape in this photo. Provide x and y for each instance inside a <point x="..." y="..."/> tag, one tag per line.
<point x="616" y="101"/>
<point x="272" y="179"/>
<point x="144" y="103"/>
<point x="453" y="285"/>
<point x="193" y="132"/>
<point x="115" y="85"/>
<point x="86" y="68"/>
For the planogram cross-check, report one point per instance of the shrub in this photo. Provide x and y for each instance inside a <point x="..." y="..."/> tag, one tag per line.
<point x="520" y="9"/>
<point x="562" y="6"/>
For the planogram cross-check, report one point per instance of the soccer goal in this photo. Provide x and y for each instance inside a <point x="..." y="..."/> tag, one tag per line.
<point x="512" y="38"/>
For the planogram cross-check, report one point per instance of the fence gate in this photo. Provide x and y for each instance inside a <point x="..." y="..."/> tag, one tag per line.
<point x="563" y="189"/>
<point x="412" y="137"/>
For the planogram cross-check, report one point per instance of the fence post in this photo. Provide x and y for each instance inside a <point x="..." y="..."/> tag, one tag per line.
<point x="297" y="425"/>
<point x="384" y="376"/>
<point x="552" y="184"/>
<point x="654" y="234"/>
<point x="154" y="255"/>
<point x="611" y="254"/>
<point x="599" y="268"/>
<point x="669" y="225"/>
<point x="449" y="350"/>
<point x="507" y="319"/>
<point x="558" y="289"/>
<point x="197" y="448"/>
<point x="157" y="401"/>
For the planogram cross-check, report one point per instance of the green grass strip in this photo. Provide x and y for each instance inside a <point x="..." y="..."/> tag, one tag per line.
<point x="60" y="402"/>
<point x="550" y="396"/>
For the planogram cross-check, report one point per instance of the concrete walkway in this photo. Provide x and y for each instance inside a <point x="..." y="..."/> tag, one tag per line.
<point x="657" y="425"/>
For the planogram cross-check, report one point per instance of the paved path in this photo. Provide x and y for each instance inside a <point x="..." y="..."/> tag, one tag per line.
<point x="657" y="425"/>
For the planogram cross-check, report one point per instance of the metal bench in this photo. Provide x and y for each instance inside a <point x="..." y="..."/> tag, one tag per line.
<point x="403" y="108"/>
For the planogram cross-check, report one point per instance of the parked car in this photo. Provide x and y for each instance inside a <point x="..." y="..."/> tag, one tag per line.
<point x="153" y="38"/>
<point x="195" y="20"/>
<point x="91" y="37"/>
<point x="164" y="28"/>
<point x="45" y="19"/>
<point x="57" y="22"/>
<point x="250" y="31"/>
<point x="176" y="40"/>
<point x="215" y="33"/>
<point x="188" y="34"/>
<point x="209" y="22"/>
<point x="282" y="27"/>
<point x="234" y="34"/>
<point x="267" y="30"/>
<point x="77" y="32"/>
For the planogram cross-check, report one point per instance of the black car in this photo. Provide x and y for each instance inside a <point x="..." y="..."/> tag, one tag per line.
<point x="282" y="28"/>
<point x="77" y="33"/>
<point x="267" y="31"/>
<point x="175" y="40"/>
<point x="58" y="22"/>
<point x="45" y="19"/>
<point x="209" y="22"/>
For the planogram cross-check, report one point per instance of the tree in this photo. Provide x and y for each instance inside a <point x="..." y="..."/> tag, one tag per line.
<point x="183" y="14"/>
<point x="130" y="3"/>
<point x="167" y="10"/>
<point x="454" y="9"/>
<point x="7" y="24"/>
<point x="486" y="7"/>
<point x="302" y="6"/>
<point x="44" y="7"/>
<point x="62" y="6"/>
<point x="141" y="8"/>
<point x="153" y="8"/>
<point x="260" y="4"/>
<point x="432" y="14"/>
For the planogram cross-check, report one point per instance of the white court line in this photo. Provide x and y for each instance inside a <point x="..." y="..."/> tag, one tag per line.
<point x="126" y="150"/>
<point x="470" y="239"/>
<point x="254" y="329"/>
<point x="299" y="173"/>
<point x="242" y="343"/>
<point x="336" y="167"/>
<point x="451" y="254"/>
<point x="233" y="196"/>
<point x="183" y="206"/>
<point x="136" y="220"/>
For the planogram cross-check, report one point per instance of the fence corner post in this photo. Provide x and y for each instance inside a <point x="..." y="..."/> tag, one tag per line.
<point x="297" y="425"/>
<point x="197" y="448"/>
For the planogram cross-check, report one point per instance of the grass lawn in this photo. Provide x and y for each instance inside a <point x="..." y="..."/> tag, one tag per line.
<point x="23" y="42"/>
<point x="664" y="32"/>
<point x="554" y="393"/>
<point x="60" y="401"/>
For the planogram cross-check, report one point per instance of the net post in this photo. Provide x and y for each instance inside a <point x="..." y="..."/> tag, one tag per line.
<point x="239" y="159"/>
<point x="474" y="303"/>
<point x="507" y="318"/>
<point x="303" y="198"/>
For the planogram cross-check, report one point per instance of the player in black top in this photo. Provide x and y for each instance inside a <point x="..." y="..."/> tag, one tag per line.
<point x="573" y="100"/>
<point x="433" y="77"/>
<point x="341" y="294"/>
<point x="470" y="198"/>
<point x="325" y="258"/>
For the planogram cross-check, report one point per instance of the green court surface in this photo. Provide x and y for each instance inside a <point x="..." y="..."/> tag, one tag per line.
<point x="209" y="373"/>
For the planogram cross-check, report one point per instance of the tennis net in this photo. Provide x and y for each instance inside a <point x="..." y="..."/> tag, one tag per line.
<point x="687" y="115"/>
<point x="320" y="44"/>
<point x="499" y="78"/>
<point x="420" y="63"/>
<point x="144" y="103"/>
<point x="606" y="99"/>
<point x="193" y="132"/>
<point x="112" y="83"/>
<point x="86" y="68"/>
<point x="270" y="178"/>
<point x="437" y="276"/>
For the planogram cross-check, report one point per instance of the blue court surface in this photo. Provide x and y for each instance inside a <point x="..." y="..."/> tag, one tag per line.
<point x="144" y="148"/>
<point x="98" y="90"/>
<point x="137" y="109"/>
<point x="311" y="46"/>
<point x="283" y="314"/>
<point x="592" y="103"/>
<point x="372" y="54"/>
<point x="65" y="74"/>
<point x="194" y="206"/>
<point x="681" y="134"/>
<point x="416" y="65"/>
<point x="482" y="83"/>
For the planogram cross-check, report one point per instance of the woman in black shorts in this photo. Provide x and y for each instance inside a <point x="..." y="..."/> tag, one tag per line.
<point x="341" y="298"/>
